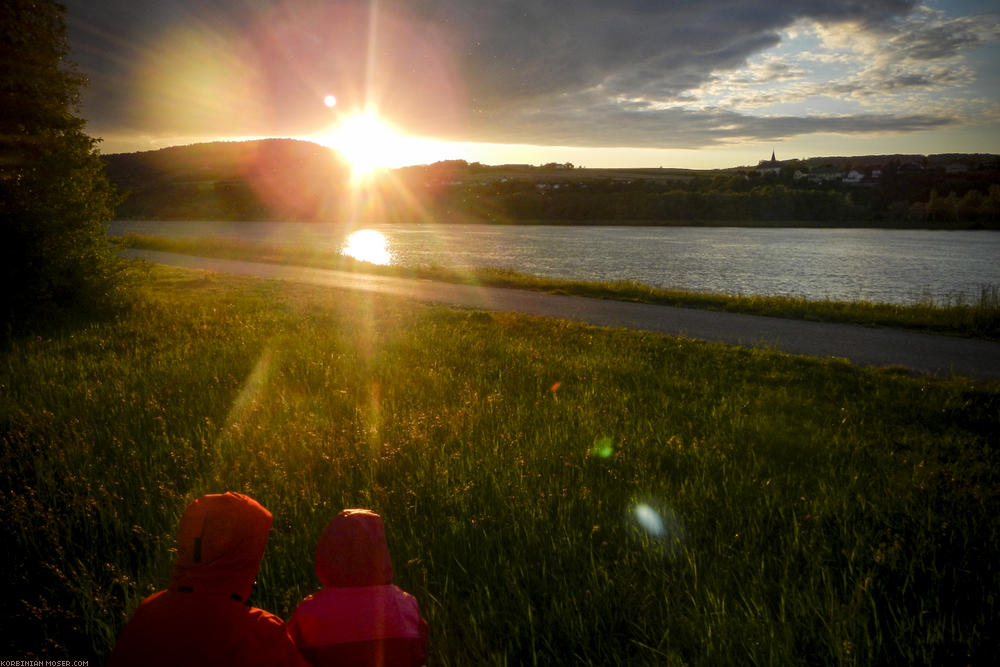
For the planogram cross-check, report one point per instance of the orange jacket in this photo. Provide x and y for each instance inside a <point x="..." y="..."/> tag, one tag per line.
<point x="359" y="618"/>
<point x="203" y="618"/>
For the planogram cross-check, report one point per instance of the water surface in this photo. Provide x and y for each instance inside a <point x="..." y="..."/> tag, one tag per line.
<point x="893" y="266"/>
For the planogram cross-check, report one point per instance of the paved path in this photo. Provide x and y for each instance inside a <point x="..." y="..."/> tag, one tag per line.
<point x="922" y="353"/>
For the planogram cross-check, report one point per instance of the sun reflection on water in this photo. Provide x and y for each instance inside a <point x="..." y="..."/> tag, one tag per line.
<point x="368" y="245"/>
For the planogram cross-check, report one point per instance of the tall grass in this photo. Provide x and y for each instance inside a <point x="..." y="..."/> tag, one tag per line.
<point x="553" y="493"/>
<point x="979" y="318"/>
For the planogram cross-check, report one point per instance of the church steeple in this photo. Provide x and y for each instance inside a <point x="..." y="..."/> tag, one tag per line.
<point x="769" y="167"/>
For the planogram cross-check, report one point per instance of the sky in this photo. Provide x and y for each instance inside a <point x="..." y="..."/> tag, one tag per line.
<point x="613" y="83"/>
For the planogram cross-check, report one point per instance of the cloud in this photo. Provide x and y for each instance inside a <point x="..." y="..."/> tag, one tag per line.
<point x="930" y="35"/>
<point x="528" y="50"/>
<point x="645" y="73"/>
<point x="922" y="52"/>
<point x="611" y="125"/>
<point x="628" y="74"/>
<point x="879" y="68"/>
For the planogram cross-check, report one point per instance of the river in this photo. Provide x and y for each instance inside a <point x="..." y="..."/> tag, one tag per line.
<point x="891" y="266"/>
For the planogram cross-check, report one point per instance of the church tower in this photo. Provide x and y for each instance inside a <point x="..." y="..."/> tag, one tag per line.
<point x="769" y="168"/>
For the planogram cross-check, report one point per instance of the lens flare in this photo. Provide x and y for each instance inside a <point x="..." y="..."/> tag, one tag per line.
<point x="662" y="525"/>
<point x="368" y="245"/>
<point x="330" y="101"/>
<point x="649" y="519"/>
<point x="252" y="387"/>
<point x="602" y="447"/>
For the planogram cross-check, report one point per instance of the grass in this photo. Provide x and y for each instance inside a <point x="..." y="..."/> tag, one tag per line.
<point x="980" y="319"/>
<point x="553" y="493"/>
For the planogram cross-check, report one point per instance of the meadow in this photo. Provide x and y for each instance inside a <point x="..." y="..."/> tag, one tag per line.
<point x="553" y="493"/>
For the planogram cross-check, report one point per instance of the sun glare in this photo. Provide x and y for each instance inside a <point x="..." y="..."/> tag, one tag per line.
<point x="368" y="245"/>
<point x="366" y="143"/>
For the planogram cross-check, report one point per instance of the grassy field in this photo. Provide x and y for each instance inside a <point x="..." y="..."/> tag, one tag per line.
<point x="980" y="319"/>
<point x="553" y="493"/>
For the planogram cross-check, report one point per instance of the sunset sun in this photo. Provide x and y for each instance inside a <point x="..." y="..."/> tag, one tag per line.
<point x="369" y="143"/>
<point x="366" y="143"/>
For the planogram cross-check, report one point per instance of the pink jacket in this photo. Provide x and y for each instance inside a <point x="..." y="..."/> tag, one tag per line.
<point x="360" y="617"/>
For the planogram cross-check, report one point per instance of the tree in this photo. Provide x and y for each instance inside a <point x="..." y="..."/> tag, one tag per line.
<point x="55" y="200"/>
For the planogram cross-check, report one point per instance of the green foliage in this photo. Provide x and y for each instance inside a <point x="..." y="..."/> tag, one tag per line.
<point x="813" y="513"/>
<point x="973" y="207"/>
<point x="54" y="196"/>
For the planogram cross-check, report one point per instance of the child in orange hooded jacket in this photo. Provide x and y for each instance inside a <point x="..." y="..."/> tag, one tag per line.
<point x="360" y="617"/>
<point x="203" y="617"/>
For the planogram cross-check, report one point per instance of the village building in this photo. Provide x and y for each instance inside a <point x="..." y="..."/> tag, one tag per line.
<point x="769" y="167"/>
<point x="854" y="177"/>
<point x="825" y="175"/>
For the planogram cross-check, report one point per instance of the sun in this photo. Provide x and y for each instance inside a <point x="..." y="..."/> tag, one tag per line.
<point x="366" y="143"/>
<point x="369" y="143"/>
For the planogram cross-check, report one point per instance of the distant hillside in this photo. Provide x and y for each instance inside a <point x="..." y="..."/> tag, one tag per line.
<point x="272" y="179"/>
<point x="284" y="179"/>
<point x="937" y="162"/>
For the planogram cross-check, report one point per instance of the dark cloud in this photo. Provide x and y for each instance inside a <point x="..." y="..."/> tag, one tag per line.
<point x="610" y="125"/>
<point x="560" y="72"/>
<point x="941" y="41"/>
<point x="662" y="49"/>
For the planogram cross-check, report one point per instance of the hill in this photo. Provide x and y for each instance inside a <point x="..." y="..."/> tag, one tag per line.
<point x="933" y="163"/>
<point x="284" y="179"/>
<point x="271" y="179"/>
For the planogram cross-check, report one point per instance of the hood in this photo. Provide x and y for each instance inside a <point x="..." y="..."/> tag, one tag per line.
<point x="352" y="551"/>
<point x="220" y="543"/>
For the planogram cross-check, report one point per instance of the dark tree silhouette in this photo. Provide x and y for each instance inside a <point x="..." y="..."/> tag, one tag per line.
<point x="55" y="200"/>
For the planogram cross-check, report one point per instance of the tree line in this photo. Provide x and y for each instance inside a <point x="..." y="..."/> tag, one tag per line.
<point x="284" y="180"/>
<point x="972" y="200"/>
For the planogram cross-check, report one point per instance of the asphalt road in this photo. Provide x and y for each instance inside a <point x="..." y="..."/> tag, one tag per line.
<point x="865" y="346"/>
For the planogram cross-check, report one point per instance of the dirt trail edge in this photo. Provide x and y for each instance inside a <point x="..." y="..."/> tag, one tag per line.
<point x="921" y="353"/>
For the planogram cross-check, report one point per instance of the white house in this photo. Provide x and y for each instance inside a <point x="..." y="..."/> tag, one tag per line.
<point x="825" y="175"/>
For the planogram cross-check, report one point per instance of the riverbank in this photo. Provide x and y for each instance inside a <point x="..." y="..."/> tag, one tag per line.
<point x="552" y="492"/>
<point x="459" y="219"/>
<point x="925" y="225"/>
<point x="907" y="351"/>
<point x="980" y="319"/>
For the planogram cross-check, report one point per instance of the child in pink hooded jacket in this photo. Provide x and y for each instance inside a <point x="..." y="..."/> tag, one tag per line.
<point x="360" y="617"/>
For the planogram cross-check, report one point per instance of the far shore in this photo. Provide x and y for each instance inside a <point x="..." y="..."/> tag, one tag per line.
<point x="765" y="224"/>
